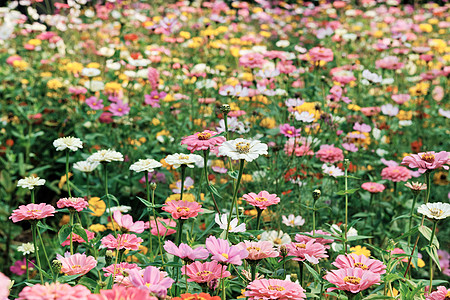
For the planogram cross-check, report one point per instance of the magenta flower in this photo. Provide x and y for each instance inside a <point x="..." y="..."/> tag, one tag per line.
<point x="310" y="251"/>
<point x="359" y="261"/>
<point x="182" y="209"/>
<point x="427" y="161"/>
<point x="152" y="279"/>
<point x="95" y="103"/>
<point x="274" y="289"/>
<point x="185" y="252"/>
<point x="123" y="241"/>
<point x="54" y="290"/>
<point x="153" y="77"/>
<point x="76" y="203"/>
<point x="205" y="272"/>
<point x="32" y="212"/>
<point x="259" y="250"/>
<point x="223" y="253"/>
<point x="329" y="154"/>
<point x="119" y="108"/>
<point x="78" y="239"/>
<point x="126" y="223"/>
<point x="76" y="264"/>
<point x="396" y="173"/>
<point x="352" y="280"/>
<point x="262" y="200"/>
<point x="289" y="131"/>
<point x="20" y="267"/>
<point x="373" y="187"/>
<point x="203" y="141"/>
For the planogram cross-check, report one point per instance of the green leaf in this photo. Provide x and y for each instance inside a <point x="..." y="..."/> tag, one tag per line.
<point x="145" y="202"/>
<point x="89" y="283"/>
<point x="233" y="174"/>
<point x="358" y="237"/>
<point x="426" y="232"/>
<point x="68" y="278"/>
<point x="78" y="229"/>
<point x="213" y="190"/>
<point x="313" y="272"/>
<point x="350" y="191"/>
<point x="64" y="233"/>
<point x="44" y="226"/>
<point x="432" y="251"/>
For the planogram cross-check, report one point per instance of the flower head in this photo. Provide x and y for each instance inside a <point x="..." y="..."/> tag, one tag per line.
<point x="76" y="203"/>
<point x="373" y="187"/>
<point x="78" y="239"/>
<point x="5" y="284"/>
<point x="329" y="154"/>
<point x="147" y="165"/>
<point x="126" y="223"/>
<point x="427" y="161"/>
<point x="54" y="290"/>
<point x="178" y="159"/>
<point x="441" y="293"/>
<point x="359" y="261"/>
<point x="262" y="200"/>
<point x="222" y="221"/>
<point x="223" y="253"/>
<point x="76" y="263"/>
<point x="243" y="149"/>
<point x="258" y="250"/>
<point x="416" y="186"/>
<point x="32" y="212"/>
<point x="85" y="166"/>
<point x="122" y="293"/>
<point x="26" y="248"/>
<point x="352" y="280"/>
<point x="205" y="140"/>
<point x="292" y="220"/>
<point x="20" y="267"/>
<point x="274" y="289"/>
<point x="152" y="280"/>
<point x="122" y="241"/>
<point x="201" y="296"/>
<point x="310" y="251"/>
<point x="182" y="209"/>
<point x="185" y="252"/>
<point x="205" y="272"/>
<point x="30" y="182"/>
<point x="396" y="173"/>
<point x="103" y="156"/>
<point x="277" y="238"/>
<point x="437" y="210"/>
<point x="69" y="142"/>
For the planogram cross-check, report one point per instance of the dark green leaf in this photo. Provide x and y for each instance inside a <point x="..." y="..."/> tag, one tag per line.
<point x="64" y="233"/>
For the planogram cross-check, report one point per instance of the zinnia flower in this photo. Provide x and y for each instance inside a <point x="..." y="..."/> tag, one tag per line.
<point x="305" y="237"/>
<point x="359" y="261"/>
<point x="373" y="187"/>
<point x="223" y="253"/>
<point x="178" y="159"/>
<point x="79" y="239"/>
<point x="274" y="289"/>
<point x="258" y="250"/>
<point x="103" y="156"/>
<point x="427" y="161"/>
<point x="352" y="280"/>
<point x="262" y="200"/>
<point x="329" y="154"/>
<point x="30" y="182"/>
<point x="126" y="223"/>
<point x="396" y="173"/>
<point x="76" y="264"/>
<point x="201" y="296"/>
<point x="32" y="212"/>
<point x="85" y="166"/>
<point x="153" y="280"/>
<point x="203" y="141"/>
<point x="20" y="267"/>
<point x="26" y="248"/>
<point x="310" y="251"/>
<point x="277" y="238"/>
<point x="76" y="203"/>
<point x="161" y="227"/>
<point x="204" y="272"/>
<point x="185" y="252"/>
<point x="54" y="290"/>
<point x="292" y="220"/>
<point x="122" y="293"/>
<point x="123" y="241"/>
<point x="69" y="142"/>
<point x="438" y="210"/>
<point x="182" y="209"/>
<point x="243" y="149"/>
<point x="147" y="165"/>
<point x="416" y="186"/>
<point x="441" y="294"/>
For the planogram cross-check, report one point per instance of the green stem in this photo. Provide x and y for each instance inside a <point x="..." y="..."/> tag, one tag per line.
<point x="205" y="169"/>
<point x="183" y="176"/>
<point x="33" y="230"/>
<point x="224" y="294"/>
<point x="157" y="226"/>
<point x="147" y="184"/>
<point x="411" y="213"/>
<point x="253" y="269"/>
<point x="346" y="210"/>
<point x="87" y="185"/>
<point x="301" y="273"/>
<point x="258" y="218"/>
<point x="241" y="169"/>
<point x="32" y="196"/>
<point x="71" y="233"/>
<point x="431" y="258"/>
<point x="28" y="269"/>
<point x="67" y="173"/>
<point x="45" y="251"/>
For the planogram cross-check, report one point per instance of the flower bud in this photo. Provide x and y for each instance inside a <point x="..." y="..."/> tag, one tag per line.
<point x="56" y="266"/>
<point x="283" y="251"/>
<point x="294" y="277"/>
<point x="153" y="185"/>
<point x="225" y="108"/>
<point x="316" y="194"/>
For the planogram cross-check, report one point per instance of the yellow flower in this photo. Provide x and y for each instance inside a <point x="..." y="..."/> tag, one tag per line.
<point x="62" y="181"/>
<point x="97" y="227"/>
<point x="420" y="89"/>
<point x="394" y="291"/>
<point x="73" y="67"/>
<point x="358" y="250"/>
<point x="93" y="65"/>
<point x="186" y="197"/>
<point x="113" y="88"/>
<point x="156" y="122"/>
<point x="377" y="34"/>
<point x="20" y="64"/>
<point x="433" y="21"/>
<point x="268" y="123"/>
<point x="184" y="34"/>
<point x="246" y="177"/>
<point x="265" y="34"/>
<point x="246" y="76"/>
<point x="426" y="27"/>
<point x="232" y="81"/>
<point x="54" y="84"/>
<point x="46" y="74"/>
<point x="35" y="42"/>
<point x="404" y="115"/>
<point x="97" y="206"/>
<point x="354" y="107"/>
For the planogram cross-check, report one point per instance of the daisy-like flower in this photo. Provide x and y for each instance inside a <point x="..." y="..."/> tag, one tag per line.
<point x="205" y="272"/>
<point x="147" y="165"/>
<point x="258" y="250"/>
<point x="305" y="116"/>
<point x="185" y="252"/>
<point x="243" y="149"/>
<point x="69" y="142"/>
<point x="292" y="220"/>
<point x="182" y="209"/>
<point x="76" y="203"/>
<point x="437" y="210"/>
<point x="441" y="294"/>
<point x="427" y="161"/>
<point x="152" y="280"/>
<point x="54" y="290"/>
<point x="352" y="280"/>
<point x="274" y="289"/>
<point x="203" y="140"/>
<point x="310" y="251"/>
<point x="359" y="261"/>
<point x="104" y="156"/>
<point x="85" y="166"/>
<point x="76" y="264"/>
<point x="30" y="182"/>
<point x="126" y="223"/>
<point x="332" y="170"/>
<point x="222" y="221"/>
<point x="122" y="293"/>
<point x="178" y="159"/>
<point x="262" y="200"/>
<point x="277" y="238"/>
<point x="26" y="249"/>
<point x="32" y="212"/>
<point x="123" y="241"/>
<point x="223" y="253"/>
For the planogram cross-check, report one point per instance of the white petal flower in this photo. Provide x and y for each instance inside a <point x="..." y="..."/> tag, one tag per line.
<point x="222" y="221"/>
<point x="68" y="142"/>
<point x="438" y="210"/>
<point x="277" y="238"/>
<point x="145" y="165"/>
<point x="105" y="156"/>
<point x="304" y="116"/>
<point x="26" y="248"/>
<point x="243" y="149"/>
<point x="85" y="166"/>
<point x="332" y="170"/>
<point x="178" y="159"/>
<point x="121" y="208"/>
<point x="292" y="220"/>
<point x="30" y="182"/>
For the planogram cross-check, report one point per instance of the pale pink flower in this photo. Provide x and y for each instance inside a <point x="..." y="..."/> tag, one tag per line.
<point x="401" y="98"/>
<point x="289" y="131"/>
<point x="5" y="283"/>
<point x="389" y="62"/>
<point x="32" y="212"/>
<point x="185" y="252"/>
<point x="259" y="250"/>
<point x="78" y="239"/>
<point x="396" y="173"/>
<point x="204" y="140"/>
<point x="126" y="223"/>
<point x="321" y="54"/>
<point x="152" y="280"/>
<point x="442" y="293"/>
<point x="274" y="289"/>
<point x="204" y="272"/>
<point x="299" y="150"/>
<point x="76" y="264"/>
<point x="310" y="251"/>
<point x="123" y="241"/>
<point x="55" y="290"/>
<point x="305" y="237"/>
<point x="329" y="154"/>
<point x="160" y="227"/>
<point x="182" y="209"/>
<point x="359" y="261"/>
<point x="427" y="161"/>
<point x="373" y="187"/>
<point x="122" y="293"/>
<point x="118" y="269"/>
<point x="252" y="60"/>
<point x="223" y="253"/>
<point x="76" y="203"/>
<point x="153" y="78"/>
<point x="262" y="200"/>
<point x="352" y="280"/>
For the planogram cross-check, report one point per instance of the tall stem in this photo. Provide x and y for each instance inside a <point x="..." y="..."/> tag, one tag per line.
<point x="67" y="173"/>
<point x="431" y="258"/>
<point x="45" y="251"/>
<point x="346" y="207"/>
<point x="241" y="169"/>
<point x="157" y="226"/>
<point x="71" y="233"/>
<point x="300" y="275"/>
<point x="205" y="169"/>
<point x="33" y="231"/>
<point x="258" y="218"/>
<point x="105" y="176"/>
<point x="183" y="176"/>
<point x="253" y="269"/>
<point x="32" y="196"/>
<point x="411" y="213"/>
<point x="147" y="185"/>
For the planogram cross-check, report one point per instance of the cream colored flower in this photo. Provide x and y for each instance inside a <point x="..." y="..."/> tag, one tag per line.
<point x="30" y="182"/>
<point x="26" y="248"/>
<point x="145" y="165"/>
<point x="277" y="238"/>
<point x="85" y="166"/>
<point x="437" y="210"/>
<point x="68" y="142"/>
<point x="179" y="159"/>
<point x="243" y="149"/>
<point x="105" y="156"/>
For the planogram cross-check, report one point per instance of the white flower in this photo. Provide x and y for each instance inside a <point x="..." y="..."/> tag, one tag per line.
<point x="304" y="117"/>
<point x="404" y="123"/>
<point x="277" y="238"/>
<point x="243" y="149"/>
<point x="94" y="85"/>
<point x="436" y="210"/>
<point x="389" y="110"/>
<point x="444" y="113"/>
<point x="373" y="77"/>
<point x="179" y="159"/>
<point x="332" y="170"/>
<point x="292" y="220"/>
<point x="282" y="43"/>
<point x="121" y="208"/>
<point x="85" y="166"/>
<point x="145" y="165"/>
<point x="222" y="221"/>
<point x="233" y="126"/>
<point x="90" y="72"/>
<point x="30" y="182"/>
<point x="337" y="230"/>
<point x="26" y="248"/>
<point x="105" y="156"/>
<point x="68" y="142"/>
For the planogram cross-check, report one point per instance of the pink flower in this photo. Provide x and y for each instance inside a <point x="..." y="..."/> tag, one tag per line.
<point x="5" y="282"/>
<point x="401" y="98"/>
<point x="153" y="77"/>
<point x="203" y="141"/>
<point x="204" y="272"/>
<point x="441" y="294"/>
<point x="20" y="268"/>
<point x="123" y="241"/>
<point x="274" y="289"/>
<point x="119" y="108"/>
<point x="304" y="238"/>
<point x="359" y="261"/>
<point x="185" y="252"/>
<point x="396" y="173"/>
<point x="117" y="269"/>
<point x="373" y="187"/>
<point x="321" y="54"/>
<point x="427" y="161"/>
<point x="289" y="131"/>
<point x="122" y="293"/>
<point x="262" y="200"/>
<point x="54" y="290"/>
<point x="154" y="97"/>
<point x="310" y="251"/>
<point x="79" y="239"/>
<point x="330" y="154"/>
<point x="160" y="227"/>
<point x="126" y="224"/>
<point x="94" y="103"/>
<point x="300" y="150"/>
<point x="182" y="209"/>
<point x="76" y="203"/>
<point x="259" y="250"/>
<point x="389" y="62"/>
<point x="223" y="253"/>
<point x="32" y="212"/>
<point x="152" y="280"/>
<point x="352" y="280"/>
<point x="76" y="264"/>
<point x="251" y="60"/>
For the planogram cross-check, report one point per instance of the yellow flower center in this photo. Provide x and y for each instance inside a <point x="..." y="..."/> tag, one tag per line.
<point x="261" y="199"/>
<point x="253" y="248"/>
<point x="361" y="266"/>
<point x="182" y="208"/>
<point x="352" y="279"/>
<point x="148" y="284"/>
<point x="447" y="296"/>
<point x="203" y="135"/>
<point x="243" y="147"/>
<point x="204" y="273"/>
<point x="225" y="255"/>
<point x="34" y="211"/>
<point x="183" y="157"/>
<point x="300" y="246"/>
<point x="276" y="288"/>
<point x="289" y="132"/>
<point x="277" y="241"/>
<point x="76" y="266"/>
<point x="436" y="212"/>
<point x="428" y="157"/>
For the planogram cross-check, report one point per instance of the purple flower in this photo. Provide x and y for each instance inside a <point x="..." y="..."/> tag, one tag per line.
<point x="119" y="109"/>
<point x="94" y="103"/>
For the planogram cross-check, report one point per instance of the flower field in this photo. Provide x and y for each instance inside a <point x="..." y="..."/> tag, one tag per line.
<point x="224" y="150"/>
